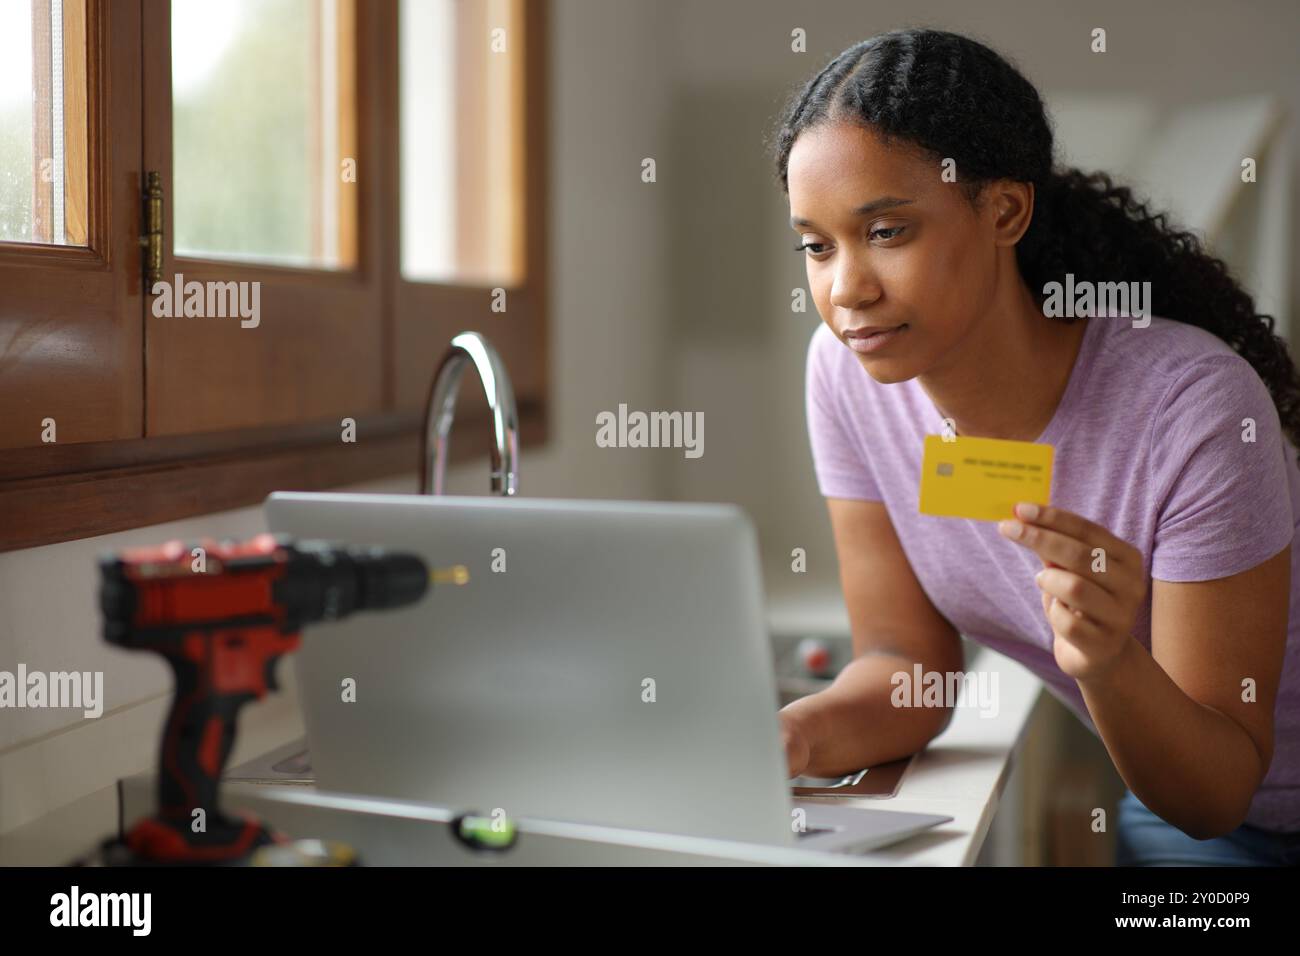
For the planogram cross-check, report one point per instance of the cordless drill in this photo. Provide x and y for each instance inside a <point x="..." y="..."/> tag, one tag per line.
<point x="222" y="614"/>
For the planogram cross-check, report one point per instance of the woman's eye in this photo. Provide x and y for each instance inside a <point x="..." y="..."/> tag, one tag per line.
<point x="817" y="248"/>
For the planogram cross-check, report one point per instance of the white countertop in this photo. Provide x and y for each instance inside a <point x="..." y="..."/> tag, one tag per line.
<point x="963" y="772"/>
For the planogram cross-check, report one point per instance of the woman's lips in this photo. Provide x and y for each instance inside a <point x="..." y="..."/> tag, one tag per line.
<point x="863" y="344"/>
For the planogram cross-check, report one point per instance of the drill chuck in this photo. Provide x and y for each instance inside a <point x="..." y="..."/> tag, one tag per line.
<point x="324" y="583"/>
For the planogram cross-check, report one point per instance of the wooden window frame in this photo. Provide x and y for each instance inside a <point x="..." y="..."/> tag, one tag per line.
<point x="205" y="376"/>
<point x="426" y="315"/>
<point x="71" y="339"/>
<point x="150" y="474"/>
<point x="74" y="103"/>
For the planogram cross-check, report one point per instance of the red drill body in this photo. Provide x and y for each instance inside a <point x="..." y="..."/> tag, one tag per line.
<point x="222" y="614"/>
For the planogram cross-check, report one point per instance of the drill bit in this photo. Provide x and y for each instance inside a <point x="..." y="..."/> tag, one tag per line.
<point x="456" y="574"/>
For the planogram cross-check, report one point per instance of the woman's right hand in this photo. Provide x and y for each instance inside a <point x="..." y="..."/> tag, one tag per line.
<point x="798" y="750"/>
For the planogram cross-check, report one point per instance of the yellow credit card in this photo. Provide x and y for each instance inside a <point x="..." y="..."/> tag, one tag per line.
<point x="983" y="478"/>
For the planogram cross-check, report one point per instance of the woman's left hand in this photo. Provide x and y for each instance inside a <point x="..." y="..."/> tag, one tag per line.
<point x="1093" y="586"/>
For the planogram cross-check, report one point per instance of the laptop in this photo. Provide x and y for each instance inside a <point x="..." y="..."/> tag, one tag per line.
<point x="606" y="662"/>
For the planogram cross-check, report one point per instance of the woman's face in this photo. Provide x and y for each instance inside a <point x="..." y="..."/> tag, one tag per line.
<point x="918" y="256"/>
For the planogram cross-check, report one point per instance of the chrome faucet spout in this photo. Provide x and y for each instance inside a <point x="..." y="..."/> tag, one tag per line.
<point x="465" y="348"/>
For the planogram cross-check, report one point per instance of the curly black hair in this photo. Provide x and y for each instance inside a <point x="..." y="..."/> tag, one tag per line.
<point x="954" y="97"/>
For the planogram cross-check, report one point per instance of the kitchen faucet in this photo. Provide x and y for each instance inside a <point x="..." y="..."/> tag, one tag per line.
<point x="470" y="347"/>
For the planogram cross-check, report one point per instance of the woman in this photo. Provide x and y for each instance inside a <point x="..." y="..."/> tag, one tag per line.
<point x="1153" y="596"/>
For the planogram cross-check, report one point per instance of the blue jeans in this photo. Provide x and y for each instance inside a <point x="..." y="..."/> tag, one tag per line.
<point x="1143" y="839"/>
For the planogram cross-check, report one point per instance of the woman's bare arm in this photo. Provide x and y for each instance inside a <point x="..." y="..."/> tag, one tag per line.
<point x="853" y="724"/>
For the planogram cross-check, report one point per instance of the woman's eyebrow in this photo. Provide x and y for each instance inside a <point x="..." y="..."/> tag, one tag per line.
<point x="866" y="209"/>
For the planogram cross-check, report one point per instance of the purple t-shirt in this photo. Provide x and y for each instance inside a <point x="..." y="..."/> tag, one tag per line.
<point x="1149" y="444"/>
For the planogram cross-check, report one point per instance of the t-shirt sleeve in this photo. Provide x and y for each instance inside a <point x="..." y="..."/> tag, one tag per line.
<point x="841" y="472"/>
<point x="1224" y="500"/>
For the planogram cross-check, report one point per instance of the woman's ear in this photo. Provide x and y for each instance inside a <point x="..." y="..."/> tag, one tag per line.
<point x="1011" y="207"/>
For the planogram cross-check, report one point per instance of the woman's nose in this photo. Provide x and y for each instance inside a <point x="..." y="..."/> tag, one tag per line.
<point x="855" y="286"/>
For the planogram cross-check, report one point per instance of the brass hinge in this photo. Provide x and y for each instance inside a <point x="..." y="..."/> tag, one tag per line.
<point x="152" y="239"/>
